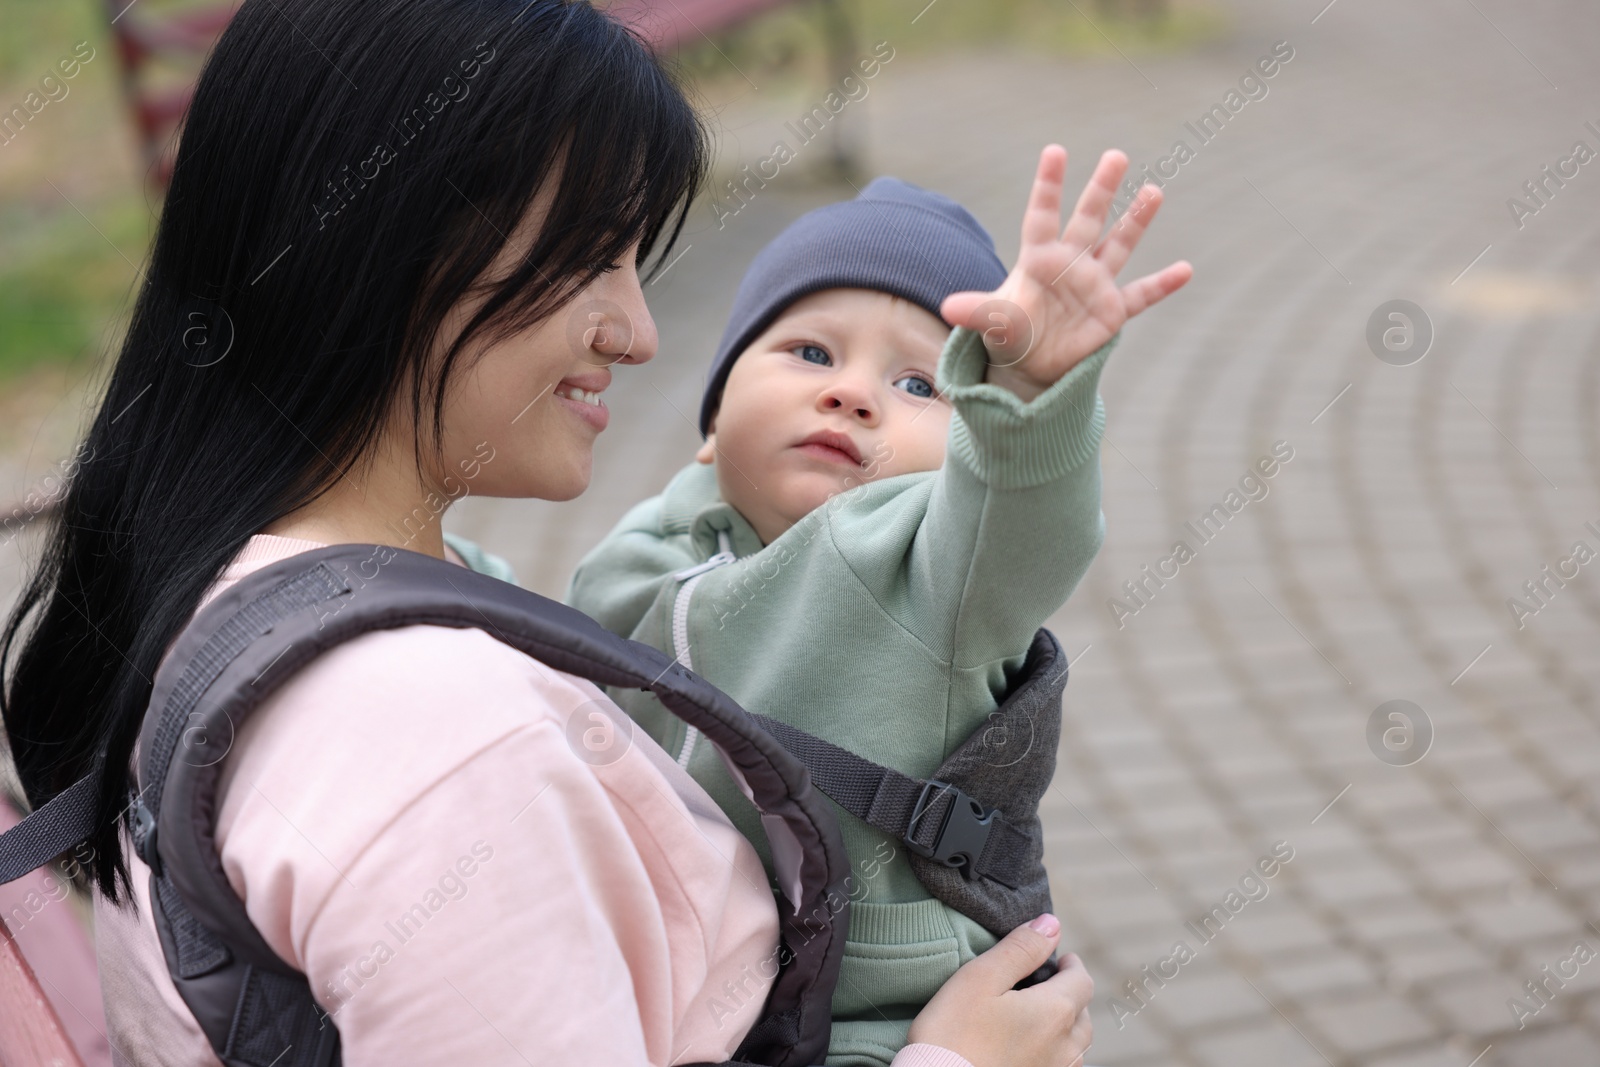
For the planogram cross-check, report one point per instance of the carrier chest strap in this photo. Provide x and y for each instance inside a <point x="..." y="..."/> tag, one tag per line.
<point x="971" y="829"/>
<point x="935" y="819"/>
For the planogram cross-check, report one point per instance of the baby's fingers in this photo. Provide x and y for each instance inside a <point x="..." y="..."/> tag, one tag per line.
<point x="960" y="309"/>
<point x="1153" y="288"/>
<point x="1126" y="234"/>
<point x="1089" y="217"/>
<point x="1042" y="217"/>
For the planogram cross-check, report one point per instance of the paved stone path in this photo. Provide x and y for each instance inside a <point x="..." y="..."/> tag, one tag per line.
<point x="1230" y="714"/>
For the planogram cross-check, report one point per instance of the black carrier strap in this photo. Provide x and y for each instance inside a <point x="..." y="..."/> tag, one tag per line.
<point x="973" y="829"/>
<point x="255" y="1009"/>
<point x="48" y="831"/>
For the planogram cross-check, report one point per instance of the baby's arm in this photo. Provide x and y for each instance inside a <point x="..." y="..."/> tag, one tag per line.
<point x="1013" y="518"/>
<point x="973" y="562"/>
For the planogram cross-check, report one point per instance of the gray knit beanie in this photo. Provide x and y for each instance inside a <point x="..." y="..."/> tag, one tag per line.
<point x="894" y="237"/>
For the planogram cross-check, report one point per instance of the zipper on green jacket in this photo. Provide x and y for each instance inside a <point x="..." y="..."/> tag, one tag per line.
<point x="690" y="576"/>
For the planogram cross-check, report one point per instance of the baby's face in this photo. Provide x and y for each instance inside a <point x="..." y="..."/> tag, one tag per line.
<point x="839" y="390"/>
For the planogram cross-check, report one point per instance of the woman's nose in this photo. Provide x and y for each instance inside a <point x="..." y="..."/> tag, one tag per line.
<point x="606" y="332"/>
<point x="610" y="323"/>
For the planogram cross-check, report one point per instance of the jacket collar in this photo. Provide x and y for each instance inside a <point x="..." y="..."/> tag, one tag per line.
<point x="692" y="504"/>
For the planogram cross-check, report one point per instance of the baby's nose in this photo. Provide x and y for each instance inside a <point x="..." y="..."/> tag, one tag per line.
<point x="853" y="399"/>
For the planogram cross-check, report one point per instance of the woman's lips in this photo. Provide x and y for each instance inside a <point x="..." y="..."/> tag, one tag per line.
<point x="584" y="403"/>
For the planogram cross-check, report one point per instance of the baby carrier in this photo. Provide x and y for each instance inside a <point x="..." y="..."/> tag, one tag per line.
<point x="257" y="1011"/>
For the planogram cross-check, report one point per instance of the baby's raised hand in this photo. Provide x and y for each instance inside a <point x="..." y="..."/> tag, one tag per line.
<point x="1061" y="301"/>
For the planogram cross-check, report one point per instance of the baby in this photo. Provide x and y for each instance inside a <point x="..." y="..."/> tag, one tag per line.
<point x="883" y="513"/>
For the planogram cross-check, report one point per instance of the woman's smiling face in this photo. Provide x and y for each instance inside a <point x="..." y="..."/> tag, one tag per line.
<point x="534" y="397"/>
<point x="839" y="390"/>
<point x="519" y="418"/>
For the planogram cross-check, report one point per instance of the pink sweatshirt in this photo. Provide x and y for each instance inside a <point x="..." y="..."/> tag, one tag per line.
<point x="408" y="824"/>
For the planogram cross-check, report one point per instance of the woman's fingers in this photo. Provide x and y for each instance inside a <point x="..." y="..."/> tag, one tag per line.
<point x="1017" y="955"/>
<point x="979" y="1015"/>
<point x="1042" y="217"/>
<point x="1089" y="217"/>
<point x="1071" y="980"/>
<point x="1080" y="1038"/>
<point x="1069" y="991"/>
<point x="1153" y="288"/>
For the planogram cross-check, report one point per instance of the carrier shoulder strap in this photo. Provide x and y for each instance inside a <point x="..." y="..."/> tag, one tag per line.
<point x="254" y="1008"/>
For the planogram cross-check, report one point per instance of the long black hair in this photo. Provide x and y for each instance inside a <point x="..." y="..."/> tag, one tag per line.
<point x="347" y="171"/>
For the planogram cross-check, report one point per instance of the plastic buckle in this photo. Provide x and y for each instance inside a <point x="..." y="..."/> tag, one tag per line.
<point x="144" y="835"/>
<point x="962" y="833"/>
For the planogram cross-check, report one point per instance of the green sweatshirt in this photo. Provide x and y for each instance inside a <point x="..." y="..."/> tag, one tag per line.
<point x="890" y="620"/>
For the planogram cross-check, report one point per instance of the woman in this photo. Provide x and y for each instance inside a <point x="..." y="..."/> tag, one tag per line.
<point x="398" y="260"/>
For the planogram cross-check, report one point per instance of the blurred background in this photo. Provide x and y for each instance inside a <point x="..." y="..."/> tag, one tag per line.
<point x="1384" y="666"/>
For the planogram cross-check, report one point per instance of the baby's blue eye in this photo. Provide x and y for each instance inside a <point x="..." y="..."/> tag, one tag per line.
<point x="917" y="386"/>
<point x="813" y="354"/>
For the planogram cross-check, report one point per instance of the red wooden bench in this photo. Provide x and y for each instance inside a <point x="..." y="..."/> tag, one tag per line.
<point x="31" y="1034"/>
<point x="144" y="38"/>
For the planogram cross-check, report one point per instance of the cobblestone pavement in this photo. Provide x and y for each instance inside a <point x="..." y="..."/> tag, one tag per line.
<point x="1226" y="710"/>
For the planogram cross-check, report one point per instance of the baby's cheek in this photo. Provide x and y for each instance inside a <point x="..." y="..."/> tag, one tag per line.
<point x="813" y="488"/>
<point x="917" y="446"/>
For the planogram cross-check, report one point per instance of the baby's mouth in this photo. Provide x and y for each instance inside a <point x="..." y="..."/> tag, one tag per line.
<point x="831" y="446"/>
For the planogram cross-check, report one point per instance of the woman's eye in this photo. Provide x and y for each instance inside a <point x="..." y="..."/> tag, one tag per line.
<point x="813" y="354"/>
<point x="916" y="385"/>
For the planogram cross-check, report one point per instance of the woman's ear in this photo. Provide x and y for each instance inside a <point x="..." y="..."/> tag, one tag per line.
<point x="708" y="449"/>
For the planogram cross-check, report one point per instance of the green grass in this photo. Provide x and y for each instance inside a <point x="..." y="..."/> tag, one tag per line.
<point x="62" y="285"/>
<point x="66" y="277"/>
<point x="38" y="32"/>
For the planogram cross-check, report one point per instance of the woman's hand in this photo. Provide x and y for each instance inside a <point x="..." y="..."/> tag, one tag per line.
<point x="1061" y="301"/>
<point x="977" y="1014"/>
